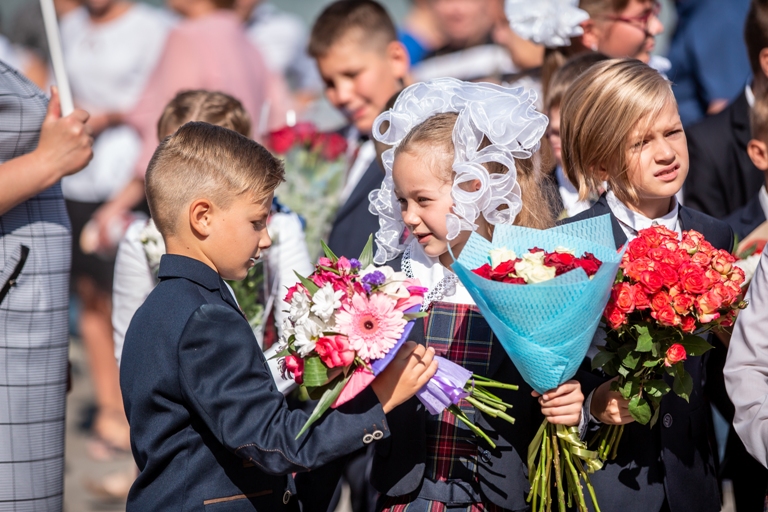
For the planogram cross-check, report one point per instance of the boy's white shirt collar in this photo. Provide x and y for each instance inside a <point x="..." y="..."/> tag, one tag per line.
<point x="763" y="197"/>
<point x="631" y="221"/>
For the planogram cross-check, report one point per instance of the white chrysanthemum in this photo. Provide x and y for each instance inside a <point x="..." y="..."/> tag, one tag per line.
<point x="306" y="335"/>
<point x="299" y="310"/>
<point x="325" y="302"/>
<point x="551" y="23"/>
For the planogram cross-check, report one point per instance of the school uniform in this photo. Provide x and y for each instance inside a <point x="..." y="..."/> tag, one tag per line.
<point x="209" y="430"/>
<point x="747" y="218"/>
<point x="672" y="465"/>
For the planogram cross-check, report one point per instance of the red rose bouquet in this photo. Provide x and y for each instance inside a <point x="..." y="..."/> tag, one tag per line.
<point x="667" y="294"/>
<point x="314" y="166"/>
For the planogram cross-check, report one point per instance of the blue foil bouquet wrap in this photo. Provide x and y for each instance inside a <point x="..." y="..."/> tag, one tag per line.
<point x="546" y="328"/>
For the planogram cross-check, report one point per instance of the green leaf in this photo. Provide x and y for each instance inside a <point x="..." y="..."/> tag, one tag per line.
<point x="306" y="283"/>
<point x="655" y="349"/>
<point x="644" y="339"/>
<point x="623" y="371"/>
<point x="286" y="351"/>
<point x="656" y="388"/>
<point x="601" y="358"/>
<point x="640" y="410"/>
<point x="315" y="372"/>
<point x="655" y="416"/>
<point x="325" y="402"/>
<point x="683" y="383"/>
<point x="631" y="360"/>
<point x="329" y="253"/>
<point x="366" y="257"/>
<point x="626" y="390"/>
<point x="695" y="345"/>
<point x="413" y="316"/>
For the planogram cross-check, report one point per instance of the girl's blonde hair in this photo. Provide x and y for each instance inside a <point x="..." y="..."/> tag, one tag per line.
<point x="437" y="133"/>
<point x="601" y="111"/>
<point x="206" y="106"/>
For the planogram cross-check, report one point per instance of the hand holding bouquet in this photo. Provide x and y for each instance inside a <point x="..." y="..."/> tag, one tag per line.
<point x="348" y="320"/>
<point x="667" y="294"/>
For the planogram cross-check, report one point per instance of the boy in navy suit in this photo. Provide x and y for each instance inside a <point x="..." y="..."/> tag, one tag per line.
<point x="209" y="430"/>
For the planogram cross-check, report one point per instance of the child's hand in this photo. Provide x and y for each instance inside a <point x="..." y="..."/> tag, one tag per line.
<point x="408" y="372"/>
<point x="562" y="405"/>
<point x="609" y="407"/>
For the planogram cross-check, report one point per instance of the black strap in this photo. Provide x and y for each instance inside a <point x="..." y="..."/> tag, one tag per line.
<point x="15" y="274"/>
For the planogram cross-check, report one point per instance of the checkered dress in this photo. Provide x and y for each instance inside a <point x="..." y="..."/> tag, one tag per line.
<point x="33" y="319"/>
<point x="459" y="333"/>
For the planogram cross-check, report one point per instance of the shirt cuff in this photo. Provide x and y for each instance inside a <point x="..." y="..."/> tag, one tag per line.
<point x="586" y="415"/>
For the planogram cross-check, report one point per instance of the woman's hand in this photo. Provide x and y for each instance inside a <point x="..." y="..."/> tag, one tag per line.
<point x="609" y="407"/>
<point x="562" y="405"/>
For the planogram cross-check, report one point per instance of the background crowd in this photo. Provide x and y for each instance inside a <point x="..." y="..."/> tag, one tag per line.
<point x="128" y="61"/>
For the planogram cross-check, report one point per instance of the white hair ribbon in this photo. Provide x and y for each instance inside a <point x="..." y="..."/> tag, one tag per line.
<point x="551" y="23"/>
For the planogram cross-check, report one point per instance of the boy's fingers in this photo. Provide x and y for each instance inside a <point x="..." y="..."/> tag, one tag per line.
<point x="572" y="398"/>
<point x="565" y="410"/>
<point x="535" y="394"/>
<point x="406" y="350"/>
<point x="428" y="374"/>
<point x="562" y="389"/>
<point x="428" y="357"/>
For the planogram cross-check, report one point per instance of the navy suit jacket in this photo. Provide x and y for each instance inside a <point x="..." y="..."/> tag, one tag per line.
<point x="721" y="178"/>
<point x="746" y="219"/>
<point x="354" y="223"/>
<point x="209" y="430"/>
<point x="674" y="459"/>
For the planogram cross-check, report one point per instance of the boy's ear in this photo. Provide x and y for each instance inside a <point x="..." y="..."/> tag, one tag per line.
<point x="398" y="58"/>
<point x="764" y="61"/>
<point x="758" y="153"/>
<point x="590" y="37"/>
<point x="200" y="213"/>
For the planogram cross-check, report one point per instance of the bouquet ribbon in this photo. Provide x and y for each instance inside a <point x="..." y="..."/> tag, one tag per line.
<point x="446" y="388"/>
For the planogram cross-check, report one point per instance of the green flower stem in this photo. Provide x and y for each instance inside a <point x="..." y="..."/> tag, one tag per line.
<point x="558" y="473"/>
<point x="454" y="409"/>
<point x="575" y="489"/>
<point x="615" y="449"/>
<point x="490" y="410"/>
<point x="493" y="384"/>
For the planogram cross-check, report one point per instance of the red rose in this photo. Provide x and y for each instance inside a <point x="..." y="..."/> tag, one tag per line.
<point x="513" y="280"/>
<point x="623" y="297"/>
<point x="713" y="275"/>
<point x="701" y="259"/>
<point x="726" y="293"/>
<point x="658" y="253"/>
<point x="722" y="262"/>
<point x="688" y="324"/>
<point x="330" y="145"/>
<point x="707" y="247"/>
<point x="295" y="365"/>
<point x="695" y="281"/>
<point x="660" y="301"/>
<point x="335" y="351"/>
<point x="282" y="140"/>
<point x="641" y="297"/>
<point x="656" y="235"/>
<point x="667" y="273"/>
<point x="638" y="248"/>
<point x="614" y="316"/>
<point x="561" y="261"/>
<point x="675" y="354"/>
<point x="708" y="303"/>
<point x="503" y="269"/>
<point x="737" y="276"/>
<point x="637" y="267"/>
<point x="729" y="319"/>
<point x="675" y="290"/>
<point x="305" y="133"/>
<point x="589" y="263"/>
<point x="536" y="249"/>
<point x="683" y="303"/>
<point x="484" y="271"/>
<point x="651" y="281"/>
<point x="666" y="316"/>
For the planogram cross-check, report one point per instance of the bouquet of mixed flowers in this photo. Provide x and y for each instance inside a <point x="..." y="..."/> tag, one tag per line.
<point x="668" y="293"/>
<point x="544" y="307"/>
<point x="749" y="250"/>
<point x="315" y="164"/>
<point x="346" y="323"/>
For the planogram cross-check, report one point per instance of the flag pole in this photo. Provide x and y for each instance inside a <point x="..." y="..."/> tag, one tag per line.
<point x="57" y="56"/>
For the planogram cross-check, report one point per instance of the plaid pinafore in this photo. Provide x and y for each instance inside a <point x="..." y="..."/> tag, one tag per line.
<point x="459" y="333"/>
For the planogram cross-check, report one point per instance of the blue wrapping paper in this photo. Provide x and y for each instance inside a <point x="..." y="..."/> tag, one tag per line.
<point x="546" y="328"/>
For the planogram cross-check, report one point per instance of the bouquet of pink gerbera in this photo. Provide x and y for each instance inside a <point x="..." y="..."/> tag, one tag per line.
<point x="346" y="323"/>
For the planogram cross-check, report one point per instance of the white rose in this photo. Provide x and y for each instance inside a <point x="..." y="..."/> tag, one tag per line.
<point x="299" y="310"/>
<point x="499" y="256"/>
<point x="564" y="250"/>
<point x="325" y="302"/>
<point x="307" y="333"/>
<point x="533" y="270"/>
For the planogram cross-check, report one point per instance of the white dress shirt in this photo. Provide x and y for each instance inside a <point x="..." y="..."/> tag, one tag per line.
<point x="763" y="197"/>
<point x="569" y="194"/>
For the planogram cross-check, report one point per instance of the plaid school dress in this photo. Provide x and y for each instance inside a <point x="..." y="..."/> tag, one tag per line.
<point x="459" y="333"/>
<point x="34" y="341"/>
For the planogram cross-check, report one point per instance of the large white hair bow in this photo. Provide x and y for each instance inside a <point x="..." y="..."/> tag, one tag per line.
<point x="549" y="22"/>
<point x="506" y="116"/>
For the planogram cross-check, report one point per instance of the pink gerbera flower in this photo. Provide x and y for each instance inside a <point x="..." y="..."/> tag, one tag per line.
<point x="373" y="325"/>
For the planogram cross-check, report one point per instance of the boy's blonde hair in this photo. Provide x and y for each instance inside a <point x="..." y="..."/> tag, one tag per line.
<point x="758" y="118"/>
<point x="437" y="133"/>
<point x="367" y="18"/>
<point x="206" y="106"/>
<point x="566" y="74"/>
<point x="204" y="160"/>
<point x="601" y="111"/>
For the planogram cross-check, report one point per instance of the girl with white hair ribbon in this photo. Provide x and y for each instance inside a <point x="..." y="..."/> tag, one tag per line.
<point x="460" y="162"/>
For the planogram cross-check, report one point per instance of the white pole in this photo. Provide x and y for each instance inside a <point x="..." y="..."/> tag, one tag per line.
<point x="57" y="56"/>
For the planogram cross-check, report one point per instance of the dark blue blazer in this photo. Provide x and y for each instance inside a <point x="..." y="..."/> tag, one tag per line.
<point x="209" y="431"/>
<point x="674" y="459"/>
<point x="746" y="219"/>
<point x="354" y="223"/>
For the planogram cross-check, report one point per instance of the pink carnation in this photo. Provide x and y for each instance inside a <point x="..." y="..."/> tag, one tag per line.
<point x="373" y="325"/>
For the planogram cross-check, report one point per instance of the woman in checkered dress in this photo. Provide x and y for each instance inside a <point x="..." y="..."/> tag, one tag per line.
<point x="37" y="148"/>
<point x="434" y="463"/>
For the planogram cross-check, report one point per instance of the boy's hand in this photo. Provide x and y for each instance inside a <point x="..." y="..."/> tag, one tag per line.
<point x="408" y="372"/>
<point x="609" y="407"/>
<point x="562" y="405"/>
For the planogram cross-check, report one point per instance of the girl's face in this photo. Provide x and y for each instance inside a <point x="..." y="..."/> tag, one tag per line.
<point x="425" y="199"/>
<point x="628" y="33"/>
<point x="658" y="161"/>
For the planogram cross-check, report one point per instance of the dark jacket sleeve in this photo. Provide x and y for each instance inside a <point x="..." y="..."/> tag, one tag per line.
<point x="703" y="189"/>
<point x="225" y="379"/>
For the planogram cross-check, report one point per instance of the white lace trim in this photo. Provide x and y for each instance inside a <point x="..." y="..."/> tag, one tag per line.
<point x="437" y="292"/>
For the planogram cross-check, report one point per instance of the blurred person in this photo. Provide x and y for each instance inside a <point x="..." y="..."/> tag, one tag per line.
<point x="110" y="48"/>
<point x="282" y="39"/>
<point x="420" y="33"/>
<point x="723" y="178"/>
<point x="27" y="29"/>
<point x="209" y="49"/>
<point x="709" y="65"/>
<point x="37" y="148"/>
<point x="25" y="60"/>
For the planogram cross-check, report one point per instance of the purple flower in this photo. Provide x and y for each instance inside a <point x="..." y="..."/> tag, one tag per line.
<point x="355" y="264"/>
<point x="375" y="278"/>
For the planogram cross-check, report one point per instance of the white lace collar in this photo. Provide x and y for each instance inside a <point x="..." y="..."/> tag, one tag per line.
<point x="631" y="221"/>
<point x="443" y="285"/>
